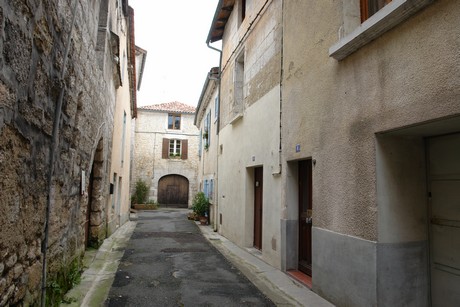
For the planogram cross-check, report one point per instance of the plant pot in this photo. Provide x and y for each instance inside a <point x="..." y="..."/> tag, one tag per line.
<point x="203" y="220"/>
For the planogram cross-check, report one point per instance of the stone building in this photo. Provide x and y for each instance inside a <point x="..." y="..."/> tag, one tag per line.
<point x="206" y="120"/>
<point x="67" y="83"/>
<point x="166" y="153"/>
<point x="364" y="203"/>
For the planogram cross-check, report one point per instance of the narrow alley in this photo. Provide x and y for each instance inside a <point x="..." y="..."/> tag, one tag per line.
<point x="169" y="263"/>
<point x="162" y="259"/>
<point x="314" y="145"/>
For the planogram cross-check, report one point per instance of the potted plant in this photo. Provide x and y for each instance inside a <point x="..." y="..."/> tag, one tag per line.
<point x="140" y="193"/>
<point x="200" y="206"/>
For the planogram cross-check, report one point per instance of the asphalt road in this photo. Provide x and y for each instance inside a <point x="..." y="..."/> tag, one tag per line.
<point x="168" y="262"/>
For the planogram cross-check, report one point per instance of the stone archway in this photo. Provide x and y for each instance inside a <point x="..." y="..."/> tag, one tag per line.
<point x="95" y="227"/>
<point x="173" y="191"/>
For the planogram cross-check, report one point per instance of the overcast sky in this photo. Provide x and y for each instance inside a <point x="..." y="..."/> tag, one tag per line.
<point x="174" y="34"/>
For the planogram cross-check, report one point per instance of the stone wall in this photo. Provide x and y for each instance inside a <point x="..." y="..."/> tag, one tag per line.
<point x="33" y="43"/>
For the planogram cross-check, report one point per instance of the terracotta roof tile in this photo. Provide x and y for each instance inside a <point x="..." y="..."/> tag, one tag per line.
<point x="173" y="106"/>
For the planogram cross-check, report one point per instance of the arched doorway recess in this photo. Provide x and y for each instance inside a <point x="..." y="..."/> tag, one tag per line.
<point x="173" y="191"/>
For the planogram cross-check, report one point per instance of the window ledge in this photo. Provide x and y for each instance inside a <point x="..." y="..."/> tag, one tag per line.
<point x="385" y="19"/>
<point x="236" y="118"/>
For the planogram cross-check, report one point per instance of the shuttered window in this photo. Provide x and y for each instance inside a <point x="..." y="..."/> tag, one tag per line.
<point x="211" y="188"/>
<point x="205" y="188"/>
<point x="370" y="7"/>
<point x="165" y="149"/>
<point x="174" y="149"/>
<point x="184" y="155"/>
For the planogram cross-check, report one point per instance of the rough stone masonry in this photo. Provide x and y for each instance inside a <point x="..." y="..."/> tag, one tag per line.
<point x="34" y="36"/>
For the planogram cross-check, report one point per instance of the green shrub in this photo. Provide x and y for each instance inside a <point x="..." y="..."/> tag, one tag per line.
<point x="60" y="282"/>
<point x="140" y="193"/>
<point x="200" y="204"/>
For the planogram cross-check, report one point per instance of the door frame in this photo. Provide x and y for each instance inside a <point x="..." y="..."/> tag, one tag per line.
<point x="430" y="178"/>
<point x="162" y="187"/>
<point x="305" y="173"/>
<point x="258" y="207"/>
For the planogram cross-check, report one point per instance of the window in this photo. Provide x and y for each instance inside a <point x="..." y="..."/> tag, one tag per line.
<point x="216" y="108"/>
<point x="370" y="7"/>
<point x="207" y="130"/>
<point x="175" y="149"/>
<point x="211" y="188"/>
<point x="208" y="127"/>
<point x="241" y="12"/>
<point x="238" y="88"/>
<point x="200" y="140"/>
<point x="377" y="17"/>
<point x="206" y="188"/>
<point x="123" y="137"/>
<point x="174" y="121"/>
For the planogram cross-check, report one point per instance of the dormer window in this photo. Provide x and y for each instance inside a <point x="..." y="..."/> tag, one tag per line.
<point x="174" y="121"/>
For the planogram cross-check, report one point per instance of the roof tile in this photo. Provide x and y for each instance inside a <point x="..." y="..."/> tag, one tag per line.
<point x="173" y="106"/>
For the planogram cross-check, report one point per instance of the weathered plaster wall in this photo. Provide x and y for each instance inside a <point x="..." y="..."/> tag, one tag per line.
<point x="32" y="47"/>
<point x="332" y="109"/>
<point x="151" y="128"/>
<point x="251" y="142"/>
<point x="118" y="204"/>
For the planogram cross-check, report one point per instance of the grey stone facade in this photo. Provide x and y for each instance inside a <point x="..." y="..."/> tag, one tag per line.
<point x="45" y="59"/>
<point x="149" y="164"/>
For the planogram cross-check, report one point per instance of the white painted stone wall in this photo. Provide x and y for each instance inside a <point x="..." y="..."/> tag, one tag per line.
<point x="253" y="140"/>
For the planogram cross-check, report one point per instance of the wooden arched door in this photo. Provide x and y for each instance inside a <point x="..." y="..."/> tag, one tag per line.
<point x="173" y="191"/>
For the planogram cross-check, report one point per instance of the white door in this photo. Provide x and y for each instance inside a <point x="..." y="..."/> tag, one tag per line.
<point x="444" y="185"/>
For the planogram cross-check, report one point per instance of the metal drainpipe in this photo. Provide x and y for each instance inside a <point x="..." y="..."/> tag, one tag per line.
<point x="216" y="184"/>
<point x="281" y="92"/>
<point x="53" y="150"/>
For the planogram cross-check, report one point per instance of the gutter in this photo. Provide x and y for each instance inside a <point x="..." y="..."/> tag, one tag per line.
<point x="53" y="153"/>
<point x="219" y="72"/>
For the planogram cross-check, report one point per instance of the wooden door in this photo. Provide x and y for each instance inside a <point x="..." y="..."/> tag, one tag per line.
<point x="173" y="191"/>
<point x="258" y="206"/>
<point x="305" y="216"/>
<point x="444" y="187"/>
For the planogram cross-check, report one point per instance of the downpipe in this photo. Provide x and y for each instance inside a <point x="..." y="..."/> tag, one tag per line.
<point x="219" y="74"/>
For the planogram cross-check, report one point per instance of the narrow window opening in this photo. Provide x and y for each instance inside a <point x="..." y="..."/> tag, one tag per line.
<point x="174" y="121"/>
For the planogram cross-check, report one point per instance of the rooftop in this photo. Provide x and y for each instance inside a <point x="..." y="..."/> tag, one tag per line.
<point x="173" y="106"/>
<point x="221" y="16"/>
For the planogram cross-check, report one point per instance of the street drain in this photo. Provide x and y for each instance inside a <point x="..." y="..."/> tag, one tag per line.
<point x="183" y="250"/>
<point x="180" y="237"/>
